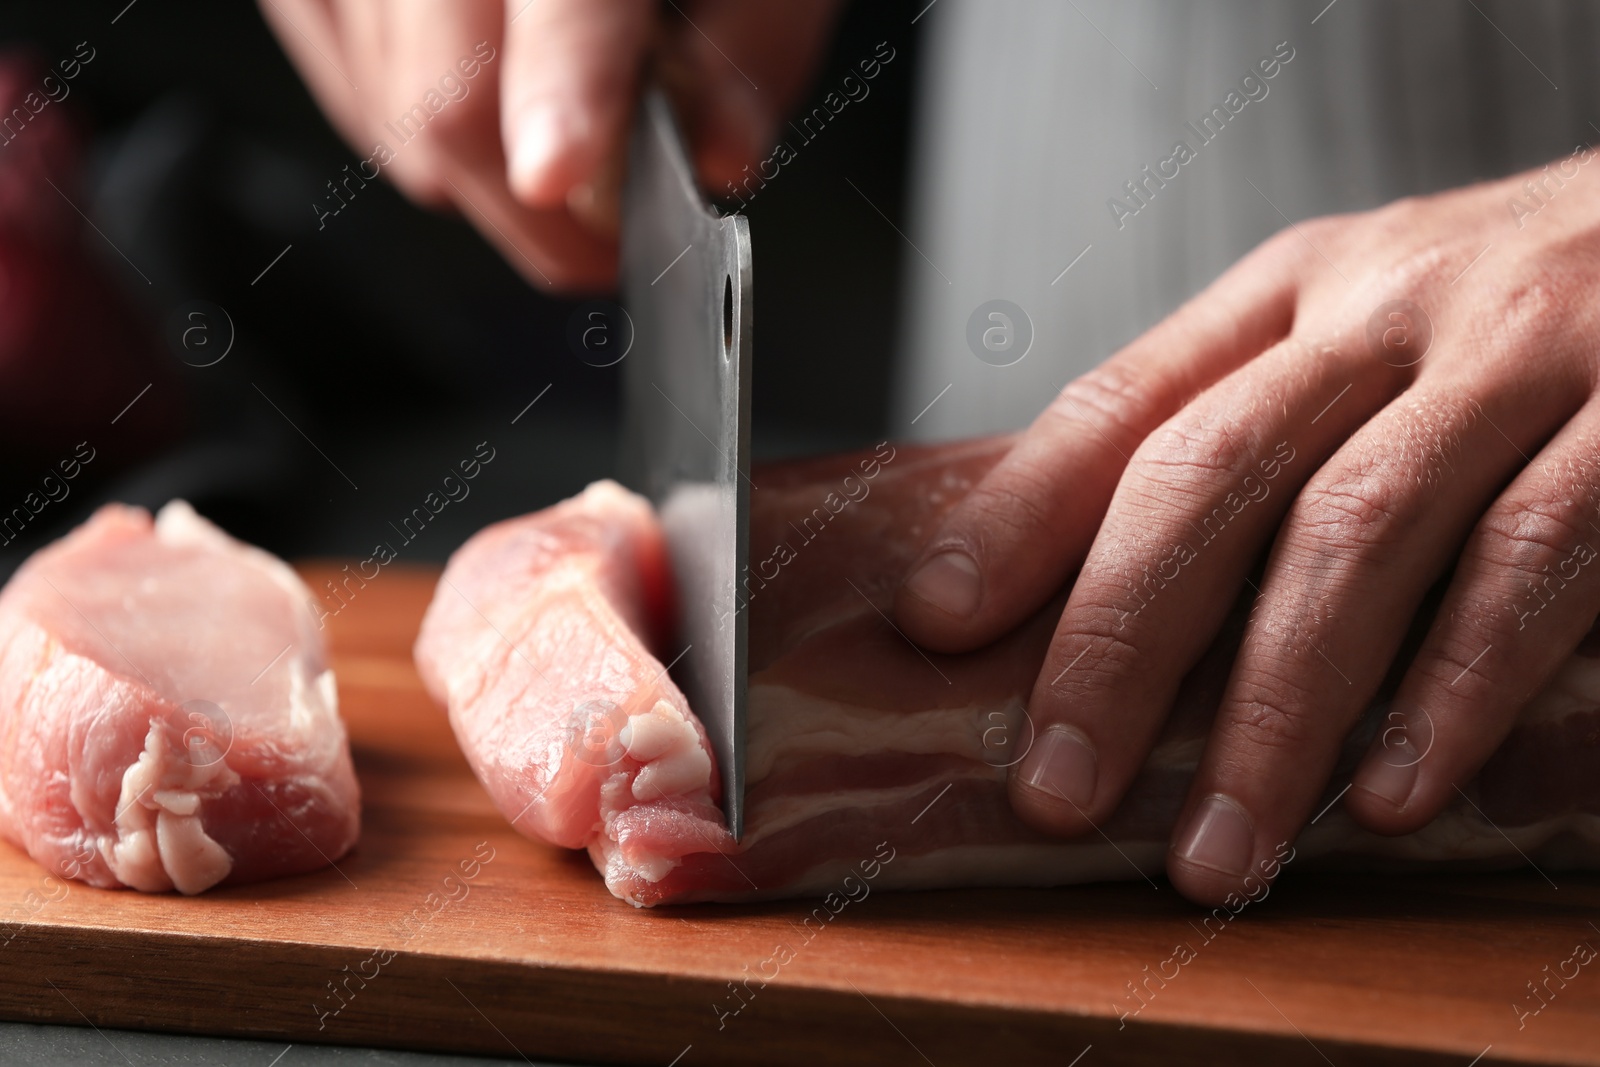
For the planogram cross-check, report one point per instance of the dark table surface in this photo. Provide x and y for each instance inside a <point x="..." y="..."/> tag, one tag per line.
<point x="80" y="1046"/>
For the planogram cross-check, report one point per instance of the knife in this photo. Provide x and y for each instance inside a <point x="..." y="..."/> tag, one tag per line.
<point x="686" y="283"/>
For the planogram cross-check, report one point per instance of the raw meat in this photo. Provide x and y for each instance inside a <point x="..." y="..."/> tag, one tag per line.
<point x="538" y="642"/>
<point x="867" y="757"/>
<point x="169" y="719"/>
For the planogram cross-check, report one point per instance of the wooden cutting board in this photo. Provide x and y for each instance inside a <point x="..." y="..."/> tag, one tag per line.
<point x="444" y="930"/>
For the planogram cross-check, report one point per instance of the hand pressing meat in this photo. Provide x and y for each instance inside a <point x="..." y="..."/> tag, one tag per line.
<point x="167" y="716"/>
<point x="868" y="758"/>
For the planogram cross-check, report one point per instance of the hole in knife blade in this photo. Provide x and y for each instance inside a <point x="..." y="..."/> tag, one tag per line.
<point x="727" y="316"/>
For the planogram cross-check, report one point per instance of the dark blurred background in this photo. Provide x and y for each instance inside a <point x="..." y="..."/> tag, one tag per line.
<point x="144" y="220"/>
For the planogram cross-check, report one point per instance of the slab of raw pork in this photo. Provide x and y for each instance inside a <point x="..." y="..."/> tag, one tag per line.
<point x="167" y="716"/>
<point x="547" y="642"/>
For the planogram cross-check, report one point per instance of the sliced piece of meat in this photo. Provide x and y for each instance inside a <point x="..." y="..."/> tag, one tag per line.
<point x="536" y="641"/>
<point x="867" y="756"/>
<point x="167" y="716"/>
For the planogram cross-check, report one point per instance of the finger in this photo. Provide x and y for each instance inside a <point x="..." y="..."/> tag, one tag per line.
<point x="1371" y="531"/>
<point x="351" y="44"/>
<point x="1526" y="591"/>
<point x="366" y="31"/>
<point x="547" y="246"/>
<point x="1010" y="544"/>
<point x="567" y="88"/>
<point x="736" y="68"/>
<point x="461" y="146"/>
<point x="1201" y="498"/>
<point x="360" y="28"/>
<point x="440" y="88"/>
<point x="307" y="30"/>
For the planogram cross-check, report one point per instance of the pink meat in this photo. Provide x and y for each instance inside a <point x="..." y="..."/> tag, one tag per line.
<point x="861" y="745"/>
<point x="169" y="719"/>
<point x="536" y="641"/>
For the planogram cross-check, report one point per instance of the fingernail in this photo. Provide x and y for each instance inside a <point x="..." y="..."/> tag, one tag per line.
<point x="1063" y="764"/>
<point x="1390" y="773"/>
<point x="1219" y="837"/>
<point x="948" y="581"/>
<point x="541" y="139"/>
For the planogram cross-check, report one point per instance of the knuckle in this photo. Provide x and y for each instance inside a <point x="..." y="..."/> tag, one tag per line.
<point x="1416" y="276"/>
<point x="1519" y="558"/>
<point x="1423" y="437"/>
<point x="1415" y="271"/>
<point x="1267" y="715"/>
<point x="1284" y="683"/>
<point x="1530" y="309"/>
<point x="1378" y="490"/>
<point x="1518" y="561"/>
<point x="1456" y="670"/>
<point x="1348" y="515"/>
<point x="1189" y="444"/>
<point x="1097" y="652"/>
<point x="1524" y="535"/>
<point x="1113" y="398"/>
<point x="1478" y="624"/>
<point x="1014" y="506"/>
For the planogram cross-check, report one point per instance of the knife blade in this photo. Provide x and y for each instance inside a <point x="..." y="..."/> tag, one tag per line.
<point x="686" y="283"/>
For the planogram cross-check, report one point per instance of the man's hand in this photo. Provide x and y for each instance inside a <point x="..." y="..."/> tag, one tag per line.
<point x="1375" y="398"/>
<point x="531" y="152"/>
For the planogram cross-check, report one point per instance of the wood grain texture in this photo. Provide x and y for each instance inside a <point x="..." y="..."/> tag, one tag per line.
<point x="538" y="960"/>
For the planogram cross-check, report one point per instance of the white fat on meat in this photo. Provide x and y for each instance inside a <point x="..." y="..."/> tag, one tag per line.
<point x="667" y="746"/>
<point x="159" y="842"/>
